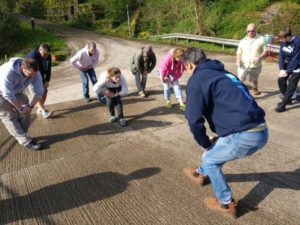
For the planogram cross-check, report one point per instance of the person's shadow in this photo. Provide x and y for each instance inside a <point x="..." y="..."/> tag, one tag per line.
<point x="67" y="195"/>
<point x="267" y="182"/>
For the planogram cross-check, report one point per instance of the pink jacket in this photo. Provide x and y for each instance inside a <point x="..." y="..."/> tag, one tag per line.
<point x="167" y="66"/>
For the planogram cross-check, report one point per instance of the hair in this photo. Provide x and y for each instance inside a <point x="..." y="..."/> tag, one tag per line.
<point x="194" y="55"/>
<point x="178" y="52"/>
<point x="147" y="50"/>
<point x="113" y="71"/>
<point x="91" y="45"/>
<point x="286" y="32"/>
<point x="30" y="64"/>
<point x="45" y="46"/>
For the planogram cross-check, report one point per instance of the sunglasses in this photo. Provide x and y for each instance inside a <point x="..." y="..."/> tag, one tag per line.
<point x="250" y="31"/>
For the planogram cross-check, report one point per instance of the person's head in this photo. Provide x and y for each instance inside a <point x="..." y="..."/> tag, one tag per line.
<point x="147" y="51"/>
<point x="192" y="57"/>
<point x="251" y="30"/>
<point x="92" y="48"/>
<point x="114" y="74"/>
<point x="285" y="34"/>
<point x="29" y="67"/>
<point x="178" y="53"/>
<point x="44" y="50"/>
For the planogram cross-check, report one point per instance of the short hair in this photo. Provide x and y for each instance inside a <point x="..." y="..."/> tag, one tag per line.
<point x="178" y="52"/>
<point x="194" y="55"/>
<point x="147" y="50"/>
<point x="286" y="32"/>
<point x="113" y="71"/>
<point x="30" y="64"/>
<point x="45" y="46"/>
<point x="91" y="45"/>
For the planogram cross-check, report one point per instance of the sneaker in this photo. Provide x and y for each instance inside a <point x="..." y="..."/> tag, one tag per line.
<point x="226" y="209"/>
<point x="33" y="145"/>
<point x="255" y="91"/>
<point x="39" y="111"/>
<point x="196" y="177"/>
<point x="182" y="107"/>
<point x="169" y="104"/>
<point x="113" y="119"/>
<point x="46" y="114"/>
<point x="123" y="122"/>
<point x="142" y="94"/>
<point x="280" y="108"/>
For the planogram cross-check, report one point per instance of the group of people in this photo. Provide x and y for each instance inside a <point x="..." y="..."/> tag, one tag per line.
<point x="213" y="94"/>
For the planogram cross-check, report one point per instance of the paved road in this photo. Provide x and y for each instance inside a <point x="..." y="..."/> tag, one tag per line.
<point x="95" y="172"/>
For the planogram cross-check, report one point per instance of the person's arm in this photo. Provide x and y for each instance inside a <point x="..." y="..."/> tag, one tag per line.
<point x="98" y="87"/>
<point x="152" y="59"/>
<point x="238" y="56"/>
<point x="95" y="59"/>
<point x="295" y="61"/>
<point x="75" y="61"/>
<point x="37" y="88"/>
<point x="48" y="69"/>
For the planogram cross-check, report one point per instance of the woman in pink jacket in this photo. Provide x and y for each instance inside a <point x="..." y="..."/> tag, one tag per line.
<point x="170" y="70"/>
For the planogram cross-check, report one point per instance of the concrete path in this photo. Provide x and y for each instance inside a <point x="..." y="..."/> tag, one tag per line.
<point x="95" y="172"/>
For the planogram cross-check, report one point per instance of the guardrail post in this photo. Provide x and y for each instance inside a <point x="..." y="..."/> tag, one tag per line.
<point x="5" y="57"/>
<point x="223" y="47"/>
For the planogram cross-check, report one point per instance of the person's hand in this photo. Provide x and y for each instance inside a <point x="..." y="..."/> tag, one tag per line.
<point x="83" y="69"/>
<point x="238" y="64"/>
<point x="283" y="73"/>
<point x="256" y="60"/>
<point x="116" y="94"/>
<point x="46" y="84"/>
<point x="167" y="80"/>
<point x="145" y="73"/>
<point x="213" y="139"/>
<point x="25" y="109"/>
<point x="109" y="94"/>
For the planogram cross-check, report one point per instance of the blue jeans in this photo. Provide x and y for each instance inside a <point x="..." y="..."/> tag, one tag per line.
<point x="167" y="89"/>
<point x="85" y="81"/>
<point x="140" y="81"/>
<point x="231" y="147"/>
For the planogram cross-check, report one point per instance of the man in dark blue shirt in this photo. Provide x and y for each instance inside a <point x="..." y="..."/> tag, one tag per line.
<point x="42" y="55"/>
<point x="289" y="65"/>
<point x="218" y="97"/>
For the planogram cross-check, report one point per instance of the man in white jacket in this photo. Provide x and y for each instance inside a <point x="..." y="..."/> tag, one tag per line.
<point x="85" y="60"/>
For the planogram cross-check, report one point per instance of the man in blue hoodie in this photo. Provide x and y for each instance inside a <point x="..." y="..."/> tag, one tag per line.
<point x="218" y="97"/>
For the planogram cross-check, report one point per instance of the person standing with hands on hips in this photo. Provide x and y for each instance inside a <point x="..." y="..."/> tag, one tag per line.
<point x="85" y="60"/>
<point x="218" y="97"/>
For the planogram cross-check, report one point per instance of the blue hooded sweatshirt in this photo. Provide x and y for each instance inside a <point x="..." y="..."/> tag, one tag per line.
<point x="219" y="97"/>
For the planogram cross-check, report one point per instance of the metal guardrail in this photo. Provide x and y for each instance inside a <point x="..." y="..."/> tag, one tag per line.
<point x="221" y="41"/>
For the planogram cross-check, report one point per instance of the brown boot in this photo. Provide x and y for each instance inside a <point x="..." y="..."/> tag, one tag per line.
<point x="196" y="177"/>
<point x="226" y="209"/>
<point x="255" y="91"/>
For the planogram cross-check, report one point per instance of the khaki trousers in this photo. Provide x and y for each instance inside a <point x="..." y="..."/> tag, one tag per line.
<point x="16" y="123"/>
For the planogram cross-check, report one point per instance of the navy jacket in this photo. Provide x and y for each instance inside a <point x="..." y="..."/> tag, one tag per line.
<point x="219" y="97"/>
<point x="44" y="64"/>
<point x="289" y="54"/>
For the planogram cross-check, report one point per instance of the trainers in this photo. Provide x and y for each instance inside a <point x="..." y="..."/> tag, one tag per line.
<point x="46" y="113"/>
<point x="33" y="145"/>
<point x="196" y="177"/>
<point x="255" y="91"/>
<point x="280" y="108"/>
<point x="182" y="107"/>
<point x="113" y="119"/>
<point x="123" y="122"/>
<point x="169" y="104"/>
<point x="226" y="209"/>
<point x="142" y="94"/>
<point x="39" y="111"/>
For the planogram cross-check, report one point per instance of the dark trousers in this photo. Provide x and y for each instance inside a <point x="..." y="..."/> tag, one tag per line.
<point x="113" y="104"/>
<point x="287" y="86"/>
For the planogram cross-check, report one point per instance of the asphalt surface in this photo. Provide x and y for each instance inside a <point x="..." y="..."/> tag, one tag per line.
<point x="96" y="172"/>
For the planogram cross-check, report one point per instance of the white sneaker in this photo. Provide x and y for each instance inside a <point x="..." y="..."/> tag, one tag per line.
<point x="39" y="111"/>
<point x="46" y="114"/>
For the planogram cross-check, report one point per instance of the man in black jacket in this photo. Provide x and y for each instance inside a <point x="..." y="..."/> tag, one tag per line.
<point x="42" y="55"/>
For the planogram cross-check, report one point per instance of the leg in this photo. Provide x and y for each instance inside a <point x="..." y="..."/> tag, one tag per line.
<point x="85" y="84"/>
<point x="92" y="75"/>
<point x="242" y="73"/>
<point x="16" y="126"/>
<point x="177" y="90"/>
<point x="144" y="82"/>
<point x="119" y="107"/>
<point x="110" y="106"/>
<point x="282" y="84"/>
<point x="253" y="77"/>
<point x="137" y="77"/>
<point x="291" y="87"/>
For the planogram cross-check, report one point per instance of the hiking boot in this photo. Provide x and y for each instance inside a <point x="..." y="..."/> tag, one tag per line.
<point x="169" y="104"/>
<point x="196" y="177"/>
<point x="113" y="119"/>
<point x="33" y="145"/>
<point x="255" y="91"/>
<point x="46" y="114"/>
<point x="123" y="122"/>
<point x="182" y="107"/>
<point x="226" y="209"/>
<point x="280" y="108"/>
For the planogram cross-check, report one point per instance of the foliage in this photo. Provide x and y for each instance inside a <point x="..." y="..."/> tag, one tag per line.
<point x="35" y="8"/>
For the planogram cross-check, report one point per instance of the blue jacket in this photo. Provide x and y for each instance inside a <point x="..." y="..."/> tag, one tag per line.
<point x="219" y="97"/>
<point x="289" y="54"/>
<point x="44" y="64"/>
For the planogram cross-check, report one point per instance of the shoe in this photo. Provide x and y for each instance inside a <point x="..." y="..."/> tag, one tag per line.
<point x="196" y="177"/>
<point x="142" y="94"/>
<point x="39" y="111"/>
<point x="113" y="119"/>
<point x="103" y="100"/>
<point x="182" y="107"/>
<point x="33" y="145"/>
<point x="280" y="108"/>
<point x="290" y="102"/>
<point x="46" y="114"/>
<point x="87" y="100"/>
<point x="123" y="122"/>
<point x="226" y="209"/>
<point x="169" y="104"/>
<point x="255" y="91"/>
